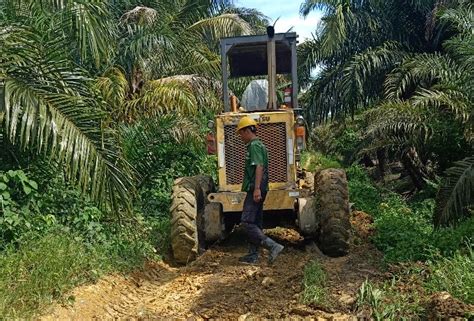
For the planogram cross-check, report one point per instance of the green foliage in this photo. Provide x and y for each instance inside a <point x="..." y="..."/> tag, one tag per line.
<point x="401" y="232"/>
<point x="362" y="192"/>
<point x="369" y="295"/>
<point x="19" y="212"/>
<point x="404" y="231"/>
<point x="456" y="194"/>
<point x="128" y="245"/>
<point x="338" y="138"/>
<point x="454" y="274"/>
<point x="387" y="302"/>
<point x="162" y="150"/>
<point x="315" y="162"/>
<point x="160" y="234"/>
<point x="448" y="240"/>
<point x="314" y="283"/>
<point x="41" y="270"/>
<point x="411" y="72"/>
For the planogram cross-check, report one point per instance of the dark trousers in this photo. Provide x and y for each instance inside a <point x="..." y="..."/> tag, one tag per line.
<point x="252" y="218"/>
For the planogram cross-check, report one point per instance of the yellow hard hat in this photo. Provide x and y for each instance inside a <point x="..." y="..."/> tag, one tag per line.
<point x="245" y="121"/>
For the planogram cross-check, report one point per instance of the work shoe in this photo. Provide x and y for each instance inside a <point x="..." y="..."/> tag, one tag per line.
<point x="273" y="247"/>
<point x="252" y="256"/>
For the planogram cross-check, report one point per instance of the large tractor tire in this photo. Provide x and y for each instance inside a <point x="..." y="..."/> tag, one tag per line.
<point x="187" y="207"/>
<point x="332" y="193"/>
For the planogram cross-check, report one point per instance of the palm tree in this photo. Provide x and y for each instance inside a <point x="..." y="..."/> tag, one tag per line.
<point x="357" y="43"/>
<point x="66" y="66"/>
<point x="49" y="107"/>
<point x="410" y="64"/>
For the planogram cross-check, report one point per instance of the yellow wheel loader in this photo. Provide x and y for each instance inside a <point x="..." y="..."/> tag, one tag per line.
<point x="202" y="213"/>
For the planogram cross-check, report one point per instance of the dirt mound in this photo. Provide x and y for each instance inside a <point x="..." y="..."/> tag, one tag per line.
<point x="362" y="223"/>
<point x="442" y="306"/>
<point x="285" y="235"/>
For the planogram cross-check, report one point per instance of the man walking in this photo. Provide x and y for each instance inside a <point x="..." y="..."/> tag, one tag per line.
<point x="255" y="183"/>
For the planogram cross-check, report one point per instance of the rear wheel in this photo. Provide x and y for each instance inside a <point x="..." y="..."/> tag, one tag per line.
<point x="187" y="207"/>
<point x="333" y="207"/>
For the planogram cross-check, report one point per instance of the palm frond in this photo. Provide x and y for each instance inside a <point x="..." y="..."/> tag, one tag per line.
<point x="93" y="30"/>
<point x="224" y="25"/>
<point x="86" y="24"/>
<point x="256" y="19"/>
<point x="399" y="122"/>
<point x="146" y="140"/>
<point x="207" y="90"/>
<point x="369" y="66"/>
<point x="327" y="6"/>
<point x="50" y="109"/>
<point x="423" y="69"/>
<point x="454" y="101"/>
<point x="456" y="193"/>
<point x="461" y="48"/>
<point x="460" y="17"/>
<point x="159" y="97"/>
<point x="114" y="87"/>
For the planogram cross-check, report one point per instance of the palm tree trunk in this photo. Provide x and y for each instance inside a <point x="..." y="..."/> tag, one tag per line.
<point x="381" y="161"/>
<point x="415" y="167"/>
<point x="137" y="80"/>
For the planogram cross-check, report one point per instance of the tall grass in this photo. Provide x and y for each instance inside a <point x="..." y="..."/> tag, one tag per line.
<point x="454" y="275"/>
<point x="314" y="283"/>
<point x="41" y="269"/>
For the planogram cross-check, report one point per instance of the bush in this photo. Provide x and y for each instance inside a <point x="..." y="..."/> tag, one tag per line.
<point x="446" y="241"/>
<point x="41" y="270"/>
<point x="130" y="244"/>
<point x="404" y="231"/>
<point x="401" y="233"/>
<point x="19" y="208"/>
<point x="365" y="196"/>
<point x="454" y="275"/>
<point x="315" y="162"/>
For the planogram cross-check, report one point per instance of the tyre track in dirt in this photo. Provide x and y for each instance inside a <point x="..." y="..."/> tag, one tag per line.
<point x="216" y="285"/>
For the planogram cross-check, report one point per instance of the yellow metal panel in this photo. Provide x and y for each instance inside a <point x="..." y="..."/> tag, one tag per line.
<point x="264" y="117"/>
<point x="275" y="200"/>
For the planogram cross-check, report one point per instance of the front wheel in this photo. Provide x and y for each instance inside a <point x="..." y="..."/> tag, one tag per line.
<point x="332" y="194"/>
<point x="187" y="235"/>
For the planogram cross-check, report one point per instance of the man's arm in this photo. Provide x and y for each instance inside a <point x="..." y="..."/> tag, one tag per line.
<point x="257" y="194"/>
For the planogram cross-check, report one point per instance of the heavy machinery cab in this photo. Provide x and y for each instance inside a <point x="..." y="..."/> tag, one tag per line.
<point x="278" y="125"/>
<point x="202" y="214"/>
<point x="260" y="55"/>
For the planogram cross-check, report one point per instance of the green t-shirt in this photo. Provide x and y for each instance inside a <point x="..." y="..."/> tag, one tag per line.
<point x="256" y="155"/>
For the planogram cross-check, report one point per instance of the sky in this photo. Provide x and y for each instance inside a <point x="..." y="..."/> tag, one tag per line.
<point x="288" y="12"/>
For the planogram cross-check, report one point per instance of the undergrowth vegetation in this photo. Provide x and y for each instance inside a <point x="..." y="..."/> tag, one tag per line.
<point x="422" y="259"/>
<point x="314" y="284"/>
<point x="53" y="237"/>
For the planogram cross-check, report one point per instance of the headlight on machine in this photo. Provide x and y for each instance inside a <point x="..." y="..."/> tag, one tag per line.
<point x="211" y="124"/>
<point x="300" y="120"/>
<point x="300" y="133"/>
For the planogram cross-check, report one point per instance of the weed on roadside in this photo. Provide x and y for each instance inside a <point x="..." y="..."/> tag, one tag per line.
<point x="454" y="275"/>
<point x="387" y="302"/>
<point x="314" y="283"/>
<point x="42" y="269"/>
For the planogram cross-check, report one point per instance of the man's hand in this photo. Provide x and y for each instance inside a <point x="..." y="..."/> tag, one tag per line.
<point x="257" y="195"/>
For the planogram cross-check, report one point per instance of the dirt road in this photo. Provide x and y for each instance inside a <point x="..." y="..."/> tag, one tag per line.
<point x="218" y="286"/>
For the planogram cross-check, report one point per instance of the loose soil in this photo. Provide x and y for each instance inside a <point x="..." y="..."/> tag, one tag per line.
<point x="216" y="285"/>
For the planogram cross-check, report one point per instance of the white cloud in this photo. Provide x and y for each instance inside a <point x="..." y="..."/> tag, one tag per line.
<point x="303" y="27"/>
<point x="288" y="14"/>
